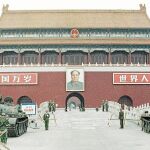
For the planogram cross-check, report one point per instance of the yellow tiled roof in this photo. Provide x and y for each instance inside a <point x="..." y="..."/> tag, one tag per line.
<point x="74" y="18"/>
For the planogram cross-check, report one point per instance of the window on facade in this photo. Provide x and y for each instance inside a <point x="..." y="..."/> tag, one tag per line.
<point x="65" y="34"/>
<point x="119" y="57"/>
<point x="83" y="34"/>
<point x="30" y="34"/>
<point x="10" y="58"/>
<point x="30" y="58"/>
<point x="138" y="34"/>
<point x="96" y="34"/>
<point x="74" y="58"/>
<point x="117" y="34"/>
<point x="99" y="57"/>
<point x="9" y="34"/>
<point x="139" y="57"/>
<point x="49" y="57"/>
<point x="51" y="33"/>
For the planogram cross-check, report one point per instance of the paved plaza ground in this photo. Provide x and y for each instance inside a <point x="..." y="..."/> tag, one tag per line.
<point x="87" y="130"/>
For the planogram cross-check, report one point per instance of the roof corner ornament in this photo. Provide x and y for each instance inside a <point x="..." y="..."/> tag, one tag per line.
<point x="142" y="7"/>
<point x="5" y="8"/>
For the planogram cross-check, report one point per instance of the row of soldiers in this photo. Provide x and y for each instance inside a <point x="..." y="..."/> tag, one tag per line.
<point x="105" y="106"/>
<point x="52" y="106"/>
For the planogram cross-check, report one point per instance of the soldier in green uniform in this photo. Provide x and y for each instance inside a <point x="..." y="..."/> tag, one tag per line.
<point x="121" y="117"/>
<point x="53" y="107"/>
<point x="106" y="105"/>
<point x="50" y="106"/>
<point x="1" y="100"/>
<point x="46" y="117"/>
<point x="103" y="105"/>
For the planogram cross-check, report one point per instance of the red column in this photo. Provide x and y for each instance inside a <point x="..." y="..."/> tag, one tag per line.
<point x="149" y="58"/>
<point x="89" y="57"/>
<point x="39" y="57"/>
<point x="109" y="56"/>
<point x="1" y="58"/>
<point x="59" y="60"/>
<point x="129" y="57"/>
<point x="19" y="58"/>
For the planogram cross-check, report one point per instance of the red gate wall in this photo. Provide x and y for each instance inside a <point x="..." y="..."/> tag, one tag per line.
<point x="98" y="86"/>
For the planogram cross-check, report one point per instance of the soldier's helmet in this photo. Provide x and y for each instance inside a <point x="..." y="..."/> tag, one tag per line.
<point x="3" y="114"/>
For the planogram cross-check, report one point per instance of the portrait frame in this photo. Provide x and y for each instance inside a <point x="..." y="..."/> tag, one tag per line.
<point x="69" y="79"/>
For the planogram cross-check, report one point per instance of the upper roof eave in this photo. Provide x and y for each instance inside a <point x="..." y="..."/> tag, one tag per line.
<point x="16" y="19"/>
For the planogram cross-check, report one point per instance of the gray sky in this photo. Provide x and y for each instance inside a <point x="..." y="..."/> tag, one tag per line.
<point x="74" y="4"/>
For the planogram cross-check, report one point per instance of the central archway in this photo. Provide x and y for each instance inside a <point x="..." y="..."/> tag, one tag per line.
<point x="75" y="99"/>
<point x="125" y="100"/>
<point x="24" y="99"/>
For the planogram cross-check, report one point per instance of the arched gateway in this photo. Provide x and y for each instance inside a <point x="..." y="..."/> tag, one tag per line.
<point x="125" y="100"/>
<point x="74" y="100"/>
<point x="24" y="99"/>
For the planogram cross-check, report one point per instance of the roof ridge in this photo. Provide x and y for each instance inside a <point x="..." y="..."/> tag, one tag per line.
<point x="75" y="11"/>
<point x="142" y="9"/>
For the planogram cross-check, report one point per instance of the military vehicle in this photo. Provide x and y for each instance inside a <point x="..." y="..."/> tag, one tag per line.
<point x="145" y="118"/>
<point x="18" y="120"/>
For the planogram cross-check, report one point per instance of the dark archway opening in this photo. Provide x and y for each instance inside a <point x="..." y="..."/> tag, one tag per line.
<point x="74" y="100"/>
<point x="24" y="99"/>
<point x="125" y="100"/>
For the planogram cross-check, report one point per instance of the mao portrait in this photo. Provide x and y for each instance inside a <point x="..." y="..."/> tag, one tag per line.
<point x="75" y="80"/>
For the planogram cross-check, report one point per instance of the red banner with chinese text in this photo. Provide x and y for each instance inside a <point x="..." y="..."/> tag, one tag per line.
<point x="131" y="78"/>
<point x="18" y="78"/>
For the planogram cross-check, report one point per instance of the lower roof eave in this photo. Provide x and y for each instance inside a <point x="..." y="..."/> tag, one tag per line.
<point x="46" y="41"/>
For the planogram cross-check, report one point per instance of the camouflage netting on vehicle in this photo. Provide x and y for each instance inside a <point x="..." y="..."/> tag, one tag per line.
<point x="18" y="120"/>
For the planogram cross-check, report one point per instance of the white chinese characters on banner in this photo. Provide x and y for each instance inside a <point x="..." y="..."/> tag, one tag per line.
<point x="18" y="78"/>
<point x="29" y="109"/>
<point x="131" y="78"/>
<point x="27" y="78"/>
<point x="5" y="79"/>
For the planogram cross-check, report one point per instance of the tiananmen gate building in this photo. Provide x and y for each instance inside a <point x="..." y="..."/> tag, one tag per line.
<point x="108" y="49"/>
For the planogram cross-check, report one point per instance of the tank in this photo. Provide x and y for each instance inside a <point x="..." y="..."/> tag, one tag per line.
<point x="18" y="120"/>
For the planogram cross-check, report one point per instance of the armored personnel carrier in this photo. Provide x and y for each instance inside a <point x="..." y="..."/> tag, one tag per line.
<point x="145" y="119"/>
<point x="18" y="120"/>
